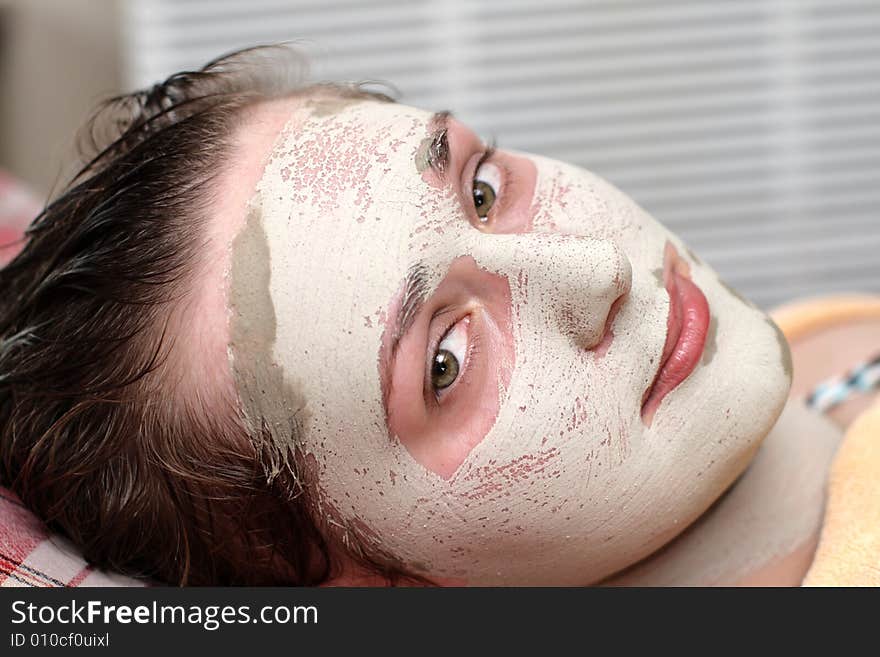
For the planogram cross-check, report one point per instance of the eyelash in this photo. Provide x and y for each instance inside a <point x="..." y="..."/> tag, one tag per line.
<point x="473" y="348"/>
<point x="487" y="155"/>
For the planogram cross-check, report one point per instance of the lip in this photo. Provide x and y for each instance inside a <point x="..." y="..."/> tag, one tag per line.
<point x="686" y="328"/>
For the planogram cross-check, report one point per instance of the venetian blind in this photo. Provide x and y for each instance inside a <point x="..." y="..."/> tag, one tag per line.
<point x="749" y="127"/>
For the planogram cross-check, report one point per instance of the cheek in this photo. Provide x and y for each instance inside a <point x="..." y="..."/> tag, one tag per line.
<point x="552" y="200"/>
<point x="494" y="483"/>
<point x="573" y="201"/>
<point x="518" y="199"/>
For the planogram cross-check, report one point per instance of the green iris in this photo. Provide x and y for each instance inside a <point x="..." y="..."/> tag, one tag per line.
<point x="484" y="198"/>
<point x="444" y="369"/>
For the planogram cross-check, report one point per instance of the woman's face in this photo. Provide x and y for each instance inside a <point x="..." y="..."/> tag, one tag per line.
<point x="496" y="366"/>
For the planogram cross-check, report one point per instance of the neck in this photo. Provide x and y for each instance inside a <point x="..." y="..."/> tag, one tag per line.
<point x="763" y="531"/>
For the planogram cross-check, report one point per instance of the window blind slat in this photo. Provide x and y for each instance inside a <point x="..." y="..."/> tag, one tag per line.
<point x="751" y="128"/>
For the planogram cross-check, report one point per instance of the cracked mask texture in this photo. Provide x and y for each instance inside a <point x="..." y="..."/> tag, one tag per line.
<point x="568" y="485"/>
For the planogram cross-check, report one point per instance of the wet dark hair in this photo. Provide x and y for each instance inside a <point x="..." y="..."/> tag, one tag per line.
<point x="149" y="473"/>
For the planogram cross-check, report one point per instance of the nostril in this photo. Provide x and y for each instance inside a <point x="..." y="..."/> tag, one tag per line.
<point x="608" y="333"/>
<point x="587" y="333"/>
<point x="590" y="291"/>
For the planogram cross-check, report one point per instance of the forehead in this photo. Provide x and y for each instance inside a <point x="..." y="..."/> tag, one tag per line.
<point x="354" y="172"/>
<point x="348" y="173"/>
<point x="351" y="129"/>
<point x="351" y="159"/>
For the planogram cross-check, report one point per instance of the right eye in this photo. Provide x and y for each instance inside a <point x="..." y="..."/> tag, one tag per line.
<point x="487" y="182"/>
<point x="449" y="356"/>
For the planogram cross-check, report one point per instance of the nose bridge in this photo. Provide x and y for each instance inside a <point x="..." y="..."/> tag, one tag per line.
<point x="565" y="280"/>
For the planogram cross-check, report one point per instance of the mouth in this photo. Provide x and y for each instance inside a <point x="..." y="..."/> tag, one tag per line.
<point x="686" y="328"/>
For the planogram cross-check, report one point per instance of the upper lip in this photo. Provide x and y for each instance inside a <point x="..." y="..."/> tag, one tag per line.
<point x="687" y="326"/>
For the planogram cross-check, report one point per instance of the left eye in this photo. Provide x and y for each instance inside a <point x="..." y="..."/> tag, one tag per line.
<point x="450" y="355"/>
<point x="487" y="182"/>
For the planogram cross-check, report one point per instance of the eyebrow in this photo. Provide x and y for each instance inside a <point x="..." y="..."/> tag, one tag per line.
<point x="438" y="149"/>
<point x="415" y="291"/>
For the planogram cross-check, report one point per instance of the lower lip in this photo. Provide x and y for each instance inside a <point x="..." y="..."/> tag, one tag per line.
<point x="686" y="328"/>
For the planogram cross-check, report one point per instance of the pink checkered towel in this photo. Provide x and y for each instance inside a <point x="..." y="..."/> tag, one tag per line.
<point x="31" y="556"/>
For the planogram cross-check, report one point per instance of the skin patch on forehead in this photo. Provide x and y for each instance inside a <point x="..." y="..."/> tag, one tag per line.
<point x="329" y="106"/>
<point x="268" y="400"/>
<point x="423" y="154"/>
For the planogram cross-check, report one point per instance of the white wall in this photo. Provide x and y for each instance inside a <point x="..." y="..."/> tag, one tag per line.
<point x="57" y="59"/>
<point x="750" y="127"/>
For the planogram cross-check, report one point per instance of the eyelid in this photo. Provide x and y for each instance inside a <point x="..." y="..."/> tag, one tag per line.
<point x="487" y="155"/>
<point x="492" y="174"/>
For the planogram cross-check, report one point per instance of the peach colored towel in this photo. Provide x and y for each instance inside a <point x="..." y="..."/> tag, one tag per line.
<point x="849" y="545"/>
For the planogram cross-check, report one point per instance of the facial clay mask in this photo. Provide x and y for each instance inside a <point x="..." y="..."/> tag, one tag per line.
<point x="555" y="319"/>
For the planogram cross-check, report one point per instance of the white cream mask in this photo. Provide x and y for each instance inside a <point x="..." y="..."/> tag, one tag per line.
<point x="569" y="482"/>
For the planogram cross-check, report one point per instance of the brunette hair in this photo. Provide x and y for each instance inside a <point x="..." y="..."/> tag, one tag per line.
<point x="148" y="476"/>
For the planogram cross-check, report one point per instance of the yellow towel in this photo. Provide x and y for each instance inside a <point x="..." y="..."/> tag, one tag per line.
<point x="849" y="545"/>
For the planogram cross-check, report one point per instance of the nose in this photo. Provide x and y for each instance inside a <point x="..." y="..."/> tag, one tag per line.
<point x="564" y="281"/>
